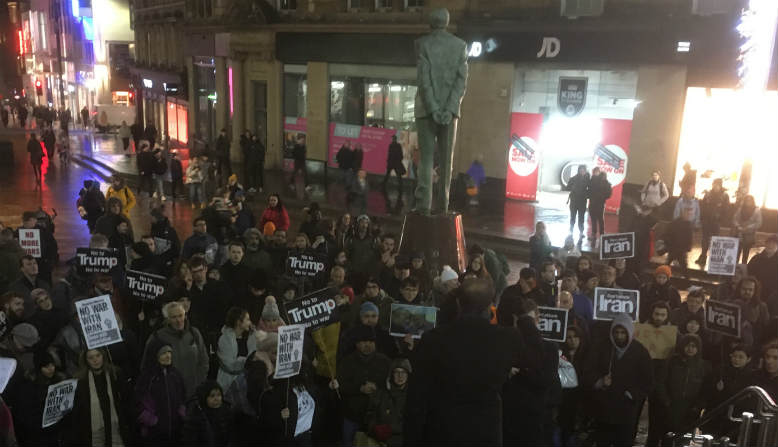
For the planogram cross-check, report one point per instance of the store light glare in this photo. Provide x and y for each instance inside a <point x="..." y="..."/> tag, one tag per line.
<point x="683" y="46"/>
<point x="757" y="28"/>
<point x="75" y="8"/>
<point x="337" y="85"/>
<point x="395" y="88"/>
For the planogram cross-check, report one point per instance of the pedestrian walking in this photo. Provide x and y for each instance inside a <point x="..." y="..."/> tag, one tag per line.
<point x="653" y="194"/>
<point x="394" y="162"/>
<point x="36" y="156"/>
<point x="578" y="186"/>
<point x="85" y="117"/>
<point x="124" y="135"/>
<point x="222" y="147"/>
<point x="137" y="134"/>
<point x="599" y="191"/>
<point x="194" y="179"/>
<point x="176" y="175"/>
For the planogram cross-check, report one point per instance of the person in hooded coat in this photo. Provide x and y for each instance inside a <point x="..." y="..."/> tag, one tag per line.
<point x="387" y="405"/>
<point x="209" y="421"/>
<point x="288" y="411"/>
<point x="29" y="410"/>
<point x="160" y="399"/>
<point x="620" y="376"/>
<point x="687" y="373"/>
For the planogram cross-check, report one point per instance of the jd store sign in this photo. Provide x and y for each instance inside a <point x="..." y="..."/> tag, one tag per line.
<point x="572" y="95"/>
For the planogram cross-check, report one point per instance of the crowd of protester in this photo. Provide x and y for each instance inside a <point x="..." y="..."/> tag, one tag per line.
<point x="196" y="365"/>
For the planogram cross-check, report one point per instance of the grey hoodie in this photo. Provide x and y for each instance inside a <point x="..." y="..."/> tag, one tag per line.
<point x="624" y="321"/>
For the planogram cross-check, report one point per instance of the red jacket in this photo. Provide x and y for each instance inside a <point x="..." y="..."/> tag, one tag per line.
<point x="280" y="218"/>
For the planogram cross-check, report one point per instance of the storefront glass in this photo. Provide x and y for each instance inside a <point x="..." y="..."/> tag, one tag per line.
<point x="564" y="118"/>
<point x="205" y="98"/>
<point x="729" y="134"/>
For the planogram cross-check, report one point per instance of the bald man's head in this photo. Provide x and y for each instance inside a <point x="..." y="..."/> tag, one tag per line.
<point x="565" y="300"/>
<point x="476" y="295"/>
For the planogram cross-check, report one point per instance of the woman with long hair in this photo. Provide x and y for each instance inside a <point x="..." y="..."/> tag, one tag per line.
<point x="98" y="417"/>
<point x="747" y="220"/>
<point x="235" y="343"/>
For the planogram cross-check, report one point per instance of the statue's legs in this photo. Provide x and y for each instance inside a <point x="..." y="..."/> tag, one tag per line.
<point x="434" y="137"/>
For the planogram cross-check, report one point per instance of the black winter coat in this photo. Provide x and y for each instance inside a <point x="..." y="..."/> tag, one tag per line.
<point x="632" y="372"/>
<point x="578" y="186"/>
<point x="455" y="391"/>
<point x="208" y="427"/>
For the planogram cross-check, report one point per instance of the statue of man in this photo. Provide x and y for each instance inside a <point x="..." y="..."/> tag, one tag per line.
<point x="441" y="77"/>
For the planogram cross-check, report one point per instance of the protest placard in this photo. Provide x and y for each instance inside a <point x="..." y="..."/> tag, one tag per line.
<point x="96" y="260"/>
<point x="724" y="318"/>
<point x="306" y="264"/>
<point x="289" y="357"/>
<point x="658" y="341"/>
<point x="409" y="319"/>
<point x="161" y="245"/>
<point x="315" y="310"/>
<point x="30" y="241"/>
<point x="145" y="286"/>
<point x="610" y="302"/>
<point x="617" y="246"/>
<point x="59" y="401"/>
<point x="552" y="323"/>
<point x="722" y="256"/>
<point x="98" y="321"/>
<point x="7" y="369"/>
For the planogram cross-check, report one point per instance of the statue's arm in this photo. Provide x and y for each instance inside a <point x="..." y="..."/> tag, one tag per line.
<point x="458" y="89"/>
<point x="424" y="81"/>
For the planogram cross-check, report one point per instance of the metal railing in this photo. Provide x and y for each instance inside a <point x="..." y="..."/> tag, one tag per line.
<point x="764" y="416"/>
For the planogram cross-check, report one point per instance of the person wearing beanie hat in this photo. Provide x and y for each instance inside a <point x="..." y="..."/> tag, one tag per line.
<point x="659" y="289"/>
<point x="587" y="282"/>
<point x="269" y="229"/>
<point x="359" y="376"/>
<point x="366" y="307"/>
<point x="387" y="408"/>
<point x="28" y="411"/>
<point x="270" y="320"/>
<point x="687" y="374"/>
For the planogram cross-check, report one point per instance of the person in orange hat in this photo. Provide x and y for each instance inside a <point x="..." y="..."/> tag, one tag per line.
<point x="269" y="229"/>
<point x="659" y="289"/>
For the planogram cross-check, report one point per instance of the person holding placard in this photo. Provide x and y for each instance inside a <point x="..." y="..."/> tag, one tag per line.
<point x="98" y="417"/>
<point x="288" y="411"/>
<point x="621" y="378"/>
<point x="754" y="309"/>
<point x="29" y="409"/>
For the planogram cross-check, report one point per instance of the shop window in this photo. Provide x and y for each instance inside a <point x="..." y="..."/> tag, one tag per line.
<point x="286" y="5"/>
<point x="384" y="5"/>
<point x="360" y="5"/>
<point x="295" y="94"/>
<point x="414" y="5"/>
<point x="347" y="100"/>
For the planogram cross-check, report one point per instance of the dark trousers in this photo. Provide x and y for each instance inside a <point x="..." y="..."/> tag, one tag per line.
<point x="255" y="175"/>
<point x="223" y="167"/>
<point x="577" y="208"/>
<point x="707" y="232"/>
<point x="657" y="423"/>
<point x="299" y="166"/>
<point x="148" y="181"/>
<point x="36" y="169"/>
<point x="678" y="255"/>
<point x="614" y="435"/>
<point x="399" y="177"/>
<point x="176" y="185"/>
<point x="125" y="143"/>
<point x="596" y="215"/>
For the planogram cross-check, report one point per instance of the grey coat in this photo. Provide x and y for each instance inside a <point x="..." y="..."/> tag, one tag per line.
<point x="230" y="365"/>
<point x="441" y="73"/>
<point x="190" y="355"/>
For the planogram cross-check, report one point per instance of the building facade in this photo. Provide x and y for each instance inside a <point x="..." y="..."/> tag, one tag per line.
<point x="604" y="84"/>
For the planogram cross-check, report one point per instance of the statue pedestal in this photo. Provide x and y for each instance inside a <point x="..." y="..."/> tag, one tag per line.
<point x="440" y="237"/>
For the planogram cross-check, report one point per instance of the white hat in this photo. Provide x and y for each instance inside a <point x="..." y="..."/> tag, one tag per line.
<point x="448" y="274"/>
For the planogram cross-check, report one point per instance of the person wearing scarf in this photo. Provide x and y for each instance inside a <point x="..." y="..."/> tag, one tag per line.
<point x="98" y="416"/>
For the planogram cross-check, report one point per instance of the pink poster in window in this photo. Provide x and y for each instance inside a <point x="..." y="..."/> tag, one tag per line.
<point x="374" y="141"/>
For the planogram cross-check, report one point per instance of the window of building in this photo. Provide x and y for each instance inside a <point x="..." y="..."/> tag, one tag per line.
<point x="286" y="5"/>
<point x="295" y="94"/>
<point x="363" y="5"/>
<point x="384" y="5"/>
<point x="372" y="102"/>
<point x="414" y="4"/>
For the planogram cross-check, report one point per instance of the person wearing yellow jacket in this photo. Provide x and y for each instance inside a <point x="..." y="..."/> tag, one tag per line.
<point x="122" y="192"/>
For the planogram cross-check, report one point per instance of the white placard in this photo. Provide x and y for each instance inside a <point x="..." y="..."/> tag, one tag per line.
<point x="7" y="369"/>
<point x="30" y="240"/>
<point x="59" y="401"/>
<point x="722" y="256"/>
<point x="98" y="321"/>
<point x="289" y="357"/>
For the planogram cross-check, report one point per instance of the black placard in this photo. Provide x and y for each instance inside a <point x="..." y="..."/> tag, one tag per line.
<point x="611" y="302"/>
<point x="145" y="286"/>
<point x="617" y="246"/>
<point x="315" y="310"/>
<point x="96" y="260"/>
<point x="552" y="323"/>
<point x="723" y="318"/>
<point x="306" y="264"/>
